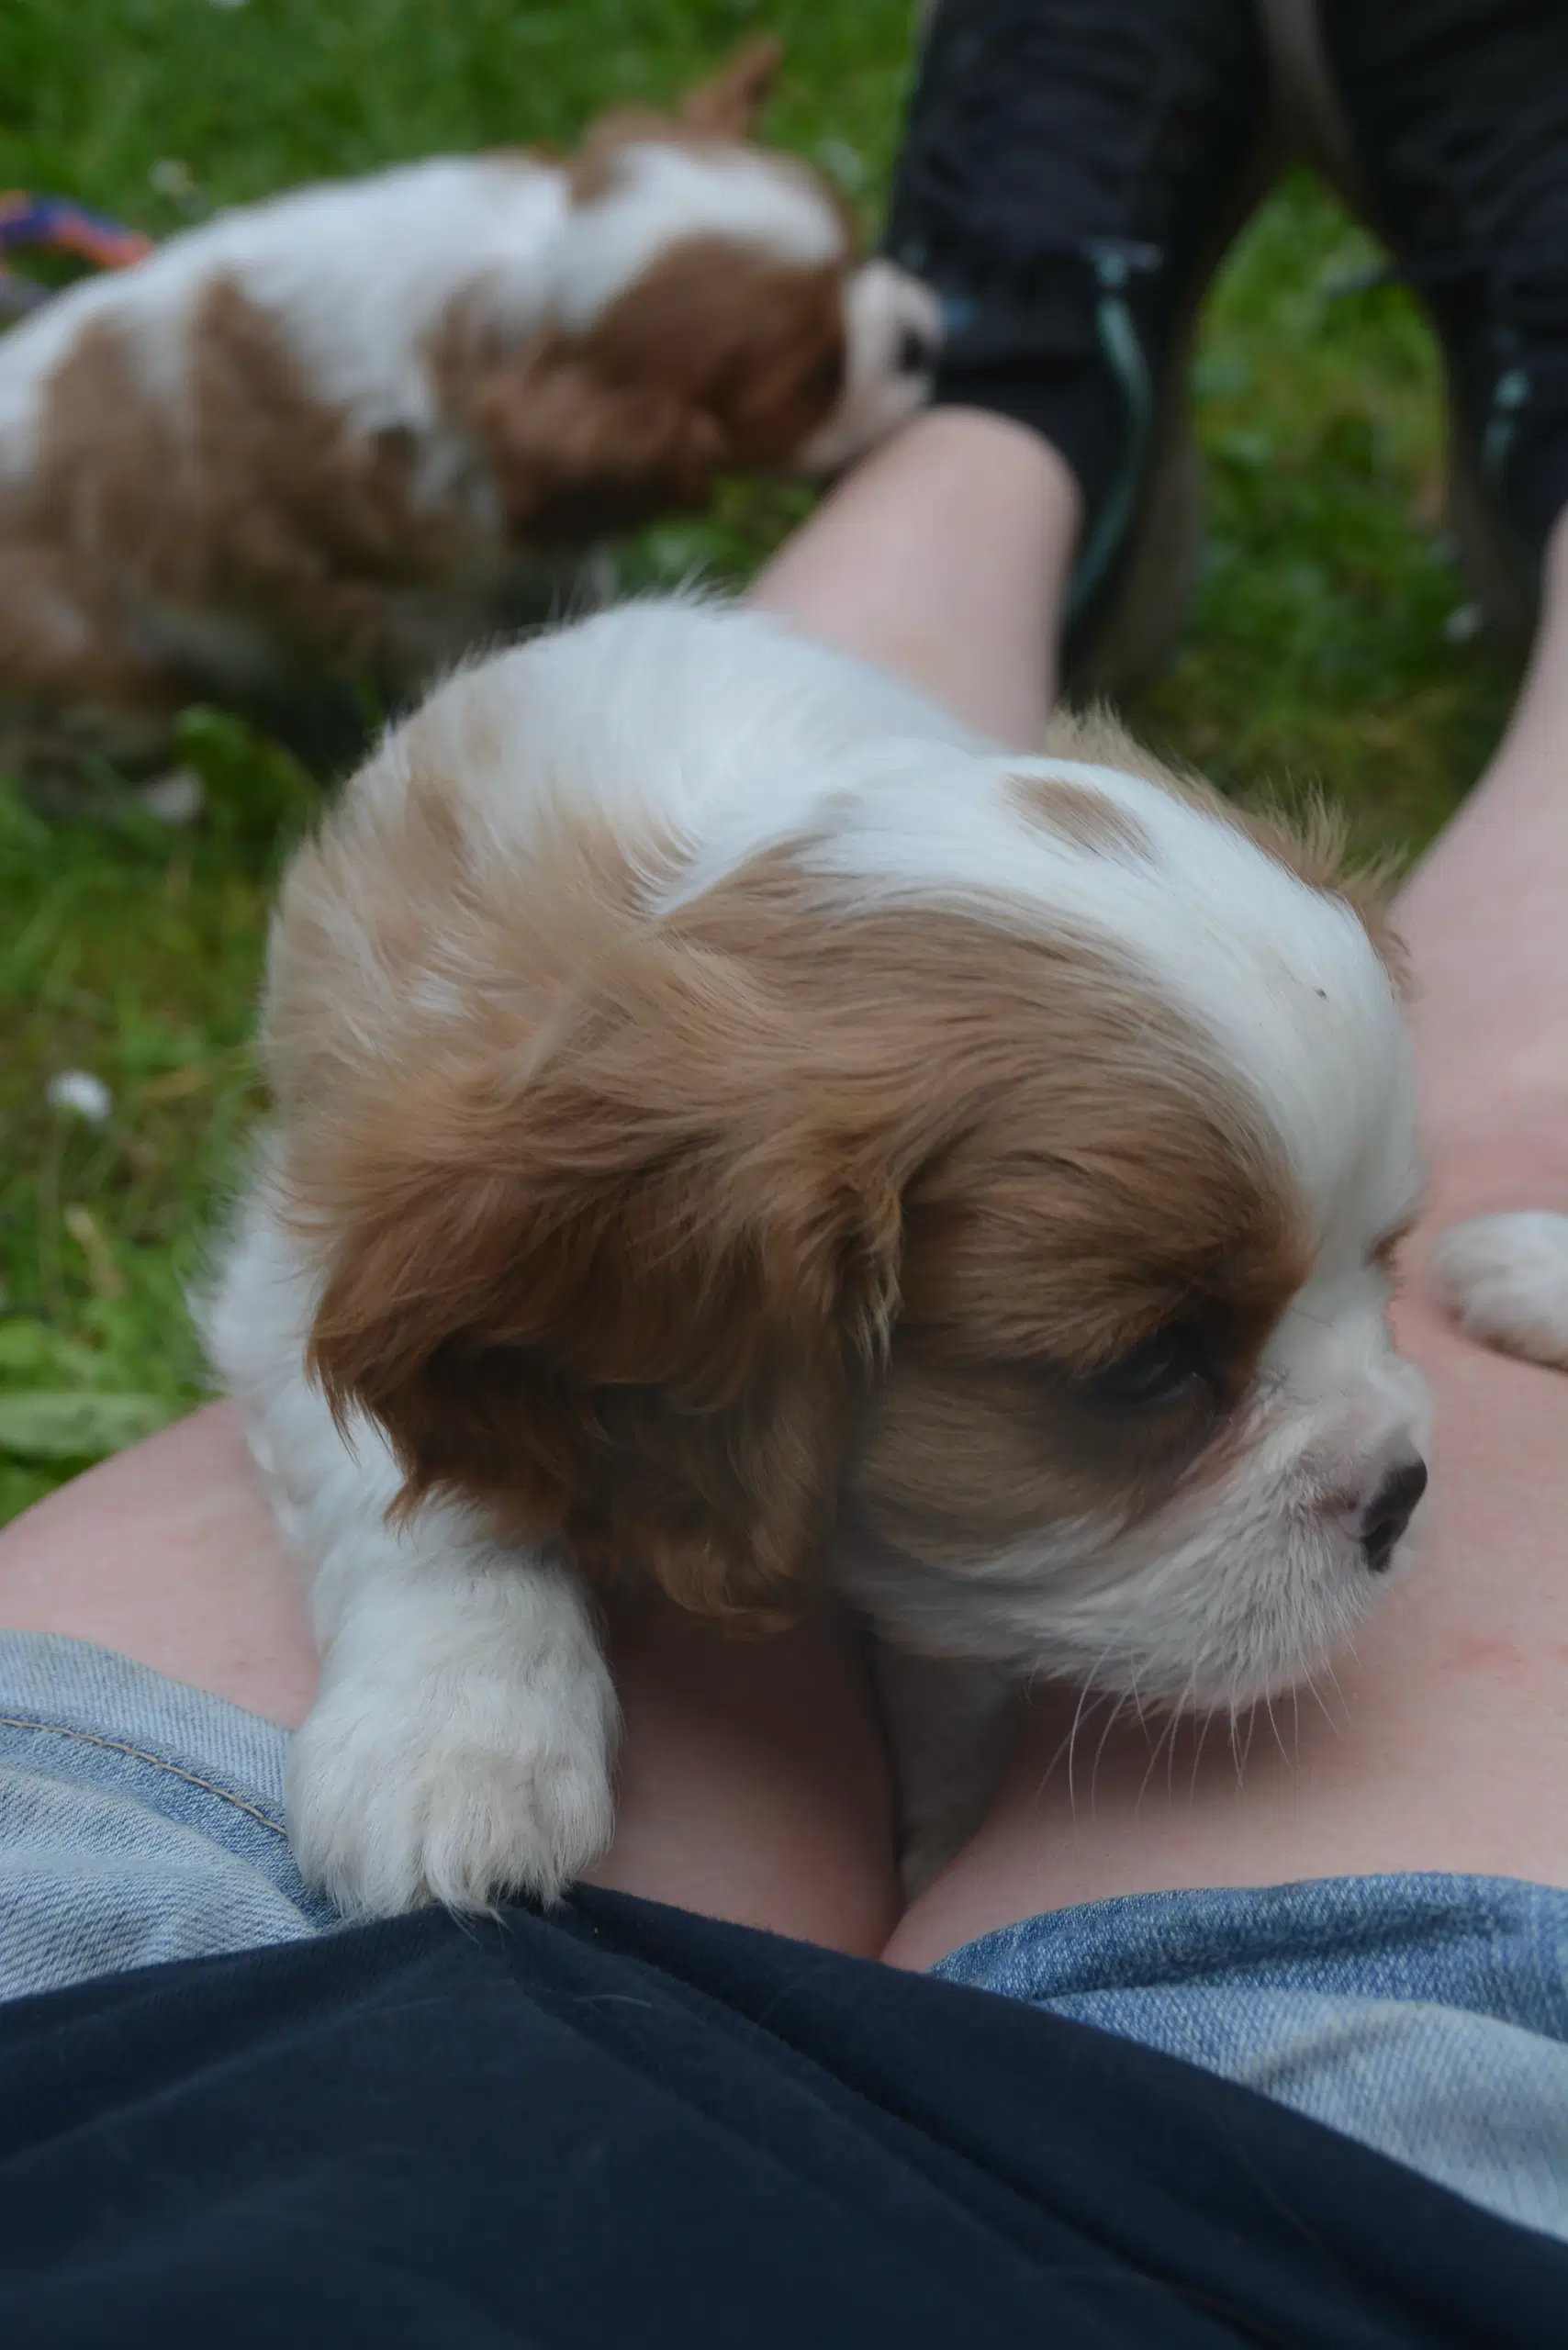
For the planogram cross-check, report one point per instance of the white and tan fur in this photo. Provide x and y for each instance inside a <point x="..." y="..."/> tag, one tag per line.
<point x="736" y="1129"/>
<point x="322" y="437"/>
<point x="1504" y="1280"/>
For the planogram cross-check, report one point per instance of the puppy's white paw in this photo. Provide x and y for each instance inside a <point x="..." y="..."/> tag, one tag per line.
<point x="1504" y="1280"/>
<point x="463" y="1790"/>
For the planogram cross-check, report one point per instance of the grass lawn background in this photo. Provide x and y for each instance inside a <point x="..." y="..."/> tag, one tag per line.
<point x="1329" y="644"/>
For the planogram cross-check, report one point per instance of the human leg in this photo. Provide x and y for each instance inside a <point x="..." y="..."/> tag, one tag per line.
<point x="945" y="557"/>
<point x="170" y="1555"/>
<point x="1070" y="181"/>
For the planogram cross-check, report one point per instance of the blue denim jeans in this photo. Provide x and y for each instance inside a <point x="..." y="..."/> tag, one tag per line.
<point x="141" y="1820"/>
<point x="1426" y="2015"/>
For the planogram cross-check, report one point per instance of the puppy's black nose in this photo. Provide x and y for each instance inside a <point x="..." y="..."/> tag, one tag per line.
<point x="1389" y="1512"/>
<point x="917" y="350"/>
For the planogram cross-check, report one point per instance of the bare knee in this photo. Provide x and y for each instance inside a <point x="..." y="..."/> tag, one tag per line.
<point x="169" y="1554"/>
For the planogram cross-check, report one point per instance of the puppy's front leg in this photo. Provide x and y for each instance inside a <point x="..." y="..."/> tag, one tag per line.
<point x="951" y="1725"/>
<point x="460" y="1744"/>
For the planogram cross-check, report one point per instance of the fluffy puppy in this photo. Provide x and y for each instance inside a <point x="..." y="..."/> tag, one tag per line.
<point x="314" y="437"/>
<point x="735" y="1128"/>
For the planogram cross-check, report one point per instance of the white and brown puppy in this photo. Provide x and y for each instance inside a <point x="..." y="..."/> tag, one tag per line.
<point x="735" y="1128"/>
<point x="311" y="437"/>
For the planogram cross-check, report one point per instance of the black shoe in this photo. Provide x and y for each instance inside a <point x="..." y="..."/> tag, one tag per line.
<point x="1456" y="115"/>
<point x="1071" y="175"/>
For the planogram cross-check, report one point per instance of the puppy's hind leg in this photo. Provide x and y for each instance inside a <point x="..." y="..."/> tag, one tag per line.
<point x="951" y="1725"/>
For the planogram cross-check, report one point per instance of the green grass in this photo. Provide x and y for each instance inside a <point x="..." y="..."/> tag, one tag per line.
<point x="1318" y="652"/>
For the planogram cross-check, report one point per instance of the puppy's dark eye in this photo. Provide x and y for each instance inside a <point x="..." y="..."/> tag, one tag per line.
<point x="826" y="378"/>
<point x="1158" y="1370"/>
<point x="917" y="351"/>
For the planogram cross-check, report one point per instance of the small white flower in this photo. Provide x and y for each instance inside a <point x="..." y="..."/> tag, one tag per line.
<point x="1463" y="623"/>
<point x="171" y="178"/>
<point x="175" y="798"/>
<point x="841" y="163"/>
<point x="82" y="1094"/>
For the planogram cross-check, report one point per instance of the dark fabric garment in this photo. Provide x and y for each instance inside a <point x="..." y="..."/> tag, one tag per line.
<point x="1059" y="153"/>
<point x="628" y="2126"/>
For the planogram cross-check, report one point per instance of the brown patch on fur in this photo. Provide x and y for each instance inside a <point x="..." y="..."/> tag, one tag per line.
<point x="755" y="342"/>
<point x="1100" y="1206"/>
<point x="313" y="523"/>
<point x="67" y="657"/>
<point x="1085" y="818"/>
<point x="1386" y="1252"/>
<point x="718" y="357"/>
<point x="728" y="104"/>
<point x="575" y="457"/>
<point x="723" y="111"/>
<point x="65" y="637"/>
<point x="714" y="116"/>
<point x="250" y="506"/>
<point x="1311" y="841"/>
<point x="668" y="1235"/>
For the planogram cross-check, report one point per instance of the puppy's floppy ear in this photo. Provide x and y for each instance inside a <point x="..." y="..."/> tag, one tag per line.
<point x="619" y="1295"/>
<point x="728" y="104"/>
<point x="578" y="451"/>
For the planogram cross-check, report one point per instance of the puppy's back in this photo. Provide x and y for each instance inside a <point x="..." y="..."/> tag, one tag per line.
<point x="354" y="274"/>
<point x="540" y="805"/>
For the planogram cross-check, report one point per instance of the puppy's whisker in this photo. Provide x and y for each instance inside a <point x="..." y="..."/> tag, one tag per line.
<point x="1325" y="1670"/>
<point x="1064" y="1747"/>
<point x="1278" y="1735"/>
<point x="1204" y="1728"/>
<point x="1086" y="1693"/>
<point x="1118" y="1701"/>
<point x="1165" y="1734"/>
<point x="1089" y="1700"/>
<point x="1180" y="1722"/>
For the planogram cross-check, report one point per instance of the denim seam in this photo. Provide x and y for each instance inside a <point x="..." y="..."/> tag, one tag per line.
<point x="140" y="1754"/>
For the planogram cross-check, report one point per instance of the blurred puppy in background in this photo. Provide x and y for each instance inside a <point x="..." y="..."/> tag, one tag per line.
<point x="317" y="437"/>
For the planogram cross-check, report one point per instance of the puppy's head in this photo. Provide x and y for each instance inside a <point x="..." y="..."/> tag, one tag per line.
<point x="708" y="311"/>
<point x="1143" y="1421"/>
<point x="978" y="1181"/>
